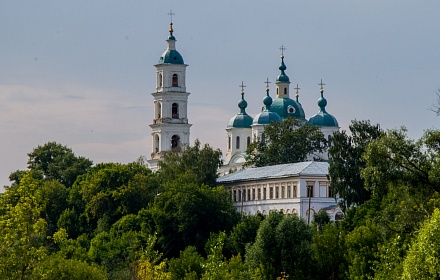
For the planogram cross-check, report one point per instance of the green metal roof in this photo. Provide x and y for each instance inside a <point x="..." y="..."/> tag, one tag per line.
<point x="286" y="107"/>
<point x="171" y="57"/>
<point x="322" y="118"/>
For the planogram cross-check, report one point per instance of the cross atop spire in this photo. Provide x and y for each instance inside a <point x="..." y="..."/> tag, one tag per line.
<point x="297" y="92"/>
<point x="321" y="84"/>
<point x="171" y="14"/>
<point x="267" y="83"/>
<point x="242" y="86"/>
<point x="282" y="48"/>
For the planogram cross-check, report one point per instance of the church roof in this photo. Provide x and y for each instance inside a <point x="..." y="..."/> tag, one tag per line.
<point x="322" y="118"/>
<point x="267" y="115"/>
<point x="311" y="168"/>
<point x="242" y="119"/>
<point x="171" y="57"/>
<point x="286" y="107"/>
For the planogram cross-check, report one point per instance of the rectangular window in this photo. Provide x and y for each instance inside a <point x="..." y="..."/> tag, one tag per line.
<point x="294" y="191"/>
<point x="259" y="193"/>
<point x="282" y="191"/>
<point x="264" y="193"/>
<point x="309" y="190"/>
<point x="271" y="193"/>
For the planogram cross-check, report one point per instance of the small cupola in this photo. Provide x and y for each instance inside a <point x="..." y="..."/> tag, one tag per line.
<point x="322" y="118"/>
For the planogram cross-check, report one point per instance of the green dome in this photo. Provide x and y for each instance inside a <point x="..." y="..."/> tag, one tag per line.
<point x="286" y="107"/>
<point x="241" y="120"/>
<point x="266" y="116"/>
<point x="322" y="118"/>
<point x="171" y="57"/>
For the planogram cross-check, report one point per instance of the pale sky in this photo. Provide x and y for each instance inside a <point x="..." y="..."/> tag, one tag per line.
<point x="81" y="73"/>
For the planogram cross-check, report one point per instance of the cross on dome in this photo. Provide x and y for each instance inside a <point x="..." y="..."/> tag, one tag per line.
<point x="282" y="48"/>
<point x="242" y="86"/>
<point x="321" y="84"/>
<point x="267" y="83"/>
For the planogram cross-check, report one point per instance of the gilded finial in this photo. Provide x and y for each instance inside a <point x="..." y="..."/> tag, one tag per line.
<point x="171" y="14"/>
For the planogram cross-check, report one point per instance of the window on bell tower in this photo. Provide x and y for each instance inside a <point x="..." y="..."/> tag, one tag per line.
<point x="175" y="82"/>
<point x="175" y="141"/>
<point x="160" y="80"/>
<point x="237" y="144"/>
<point x="175" y="111"/>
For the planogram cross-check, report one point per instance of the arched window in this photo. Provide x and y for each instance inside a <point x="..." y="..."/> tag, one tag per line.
<point x="277" y="91"/>
<point x="329" y="143"/>
<point x="175" y="111"/>
<point x="229" y="142"/>
<point x="285" y="91"/>
<point x="248" y="141"/>
<point x="175" y="80"/>
<point x="237" y="142"/>
<point x="160" y="80"/>
<point x="158" y="110"/>
<point x="263" y="137"/>
<point x="175" y="141"/>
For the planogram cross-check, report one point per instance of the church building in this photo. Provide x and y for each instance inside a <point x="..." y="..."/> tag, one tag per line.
<point x="292" y="188"/>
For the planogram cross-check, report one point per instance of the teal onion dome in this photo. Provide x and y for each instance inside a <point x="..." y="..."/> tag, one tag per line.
<point x="266" y="116"/>
<point x="242" y="119"/>
<point x="322" y="118"/>
<point x="282" y="77"/>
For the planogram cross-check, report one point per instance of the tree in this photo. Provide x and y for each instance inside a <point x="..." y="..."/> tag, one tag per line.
<point x="283" y="244"/>
<point x="55" y="162"/>
<point x="422" y="261"/>
<point x="286" y="142"/>
<point x="329" y="252"/>
<point x="22" y="230"/>
<point x="186" y="214"/>
<point x="346" y="162"/>
<point x="107" y="192"/>
<point x="200" y="163"/>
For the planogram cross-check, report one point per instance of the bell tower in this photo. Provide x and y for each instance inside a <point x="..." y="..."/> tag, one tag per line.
<point x="170" y="128"/>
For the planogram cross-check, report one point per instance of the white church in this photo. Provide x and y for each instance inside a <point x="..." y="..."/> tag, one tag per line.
<point x="296" y="188"/>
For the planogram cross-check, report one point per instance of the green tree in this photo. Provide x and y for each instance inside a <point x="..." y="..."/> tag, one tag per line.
<point x="22" y="230"/>
<point x="422" y="261"/>
<point x="286" y="142"/>
<point x="283" y="244"/>
<point x="105" y="193"/>
<point x="186" y="214"/>
<point x="189" y="263"/>
<point x="57" y="268"/>
<point x="346" y="162"/>
<point x="362" y="250"/>
<point x="243" y="234"/>
<point x="329" y="252"/>
<point x="200" y="163"/>
<point x="55" y="162"/>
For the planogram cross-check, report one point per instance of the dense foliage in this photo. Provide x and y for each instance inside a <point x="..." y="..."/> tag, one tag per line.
<point x="121" y="221"/>
<point x="288" y="141"/>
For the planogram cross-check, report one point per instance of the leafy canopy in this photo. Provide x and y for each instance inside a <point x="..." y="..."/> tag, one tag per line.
<point x="286" y="142"/>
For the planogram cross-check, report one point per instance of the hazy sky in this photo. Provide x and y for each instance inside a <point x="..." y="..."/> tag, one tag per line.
<point x="81" y="72"/>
